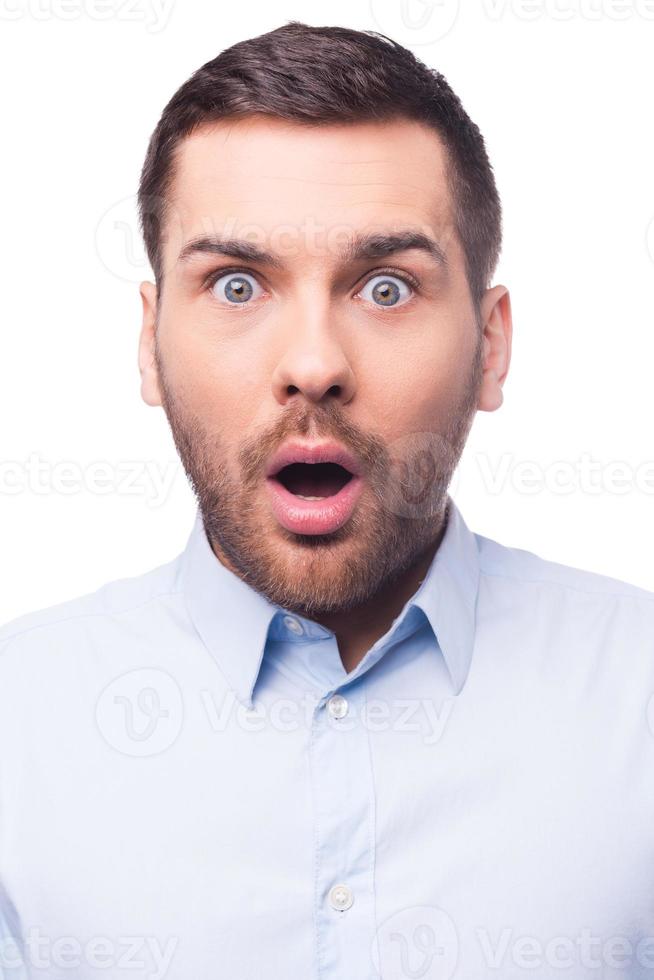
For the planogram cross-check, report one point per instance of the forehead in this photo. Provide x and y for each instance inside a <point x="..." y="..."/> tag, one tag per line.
<point x="262" y="172"/>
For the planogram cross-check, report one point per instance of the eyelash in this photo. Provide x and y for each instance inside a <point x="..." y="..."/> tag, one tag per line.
<point x="406" y="277"/>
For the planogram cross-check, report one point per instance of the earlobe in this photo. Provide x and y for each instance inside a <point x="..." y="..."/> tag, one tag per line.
<point x="147" y="364"/>
<point x="497" y="329"/>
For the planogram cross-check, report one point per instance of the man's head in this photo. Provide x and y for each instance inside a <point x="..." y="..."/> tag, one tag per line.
<point x="322" y="221"/>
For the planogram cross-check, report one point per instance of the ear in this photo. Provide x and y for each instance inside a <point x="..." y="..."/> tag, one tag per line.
<point x="497" y="330"/>
<point x="150" y="391"/>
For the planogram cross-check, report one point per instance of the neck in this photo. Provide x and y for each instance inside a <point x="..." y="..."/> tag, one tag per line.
<point x="358" y="629"/>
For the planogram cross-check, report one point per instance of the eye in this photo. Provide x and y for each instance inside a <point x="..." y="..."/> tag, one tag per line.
<point x="235" y="288"/>
<point x="385" y="289"/>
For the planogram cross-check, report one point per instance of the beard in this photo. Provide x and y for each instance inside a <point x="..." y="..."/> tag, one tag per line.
<point x="402" y="512"/>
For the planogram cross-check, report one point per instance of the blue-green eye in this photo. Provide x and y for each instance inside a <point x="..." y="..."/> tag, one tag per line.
<point x="236" y="288"/>
<point x="386" y="290"/>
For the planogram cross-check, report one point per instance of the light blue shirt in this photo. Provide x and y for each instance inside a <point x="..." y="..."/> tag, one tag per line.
<point x="12" y="963"/>
<point x="192" y="786"/>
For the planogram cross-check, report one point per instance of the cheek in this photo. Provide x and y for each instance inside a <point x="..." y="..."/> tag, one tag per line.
<point x="215" y="379"/>
<point x="421" y="384"/>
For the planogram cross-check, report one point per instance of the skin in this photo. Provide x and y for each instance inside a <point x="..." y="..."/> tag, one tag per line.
<point x="313" y="353"/>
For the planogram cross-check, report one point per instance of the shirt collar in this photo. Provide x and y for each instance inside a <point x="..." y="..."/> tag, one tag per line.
<point x="233" y="619"/>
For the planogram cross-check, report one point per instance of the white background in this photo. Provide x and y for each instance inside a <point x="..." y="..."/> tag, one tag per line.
<point x="562" y="91"/>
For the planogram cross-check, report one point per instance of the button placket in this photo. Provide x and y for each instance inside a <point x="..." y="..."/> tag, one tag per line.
<point x="343" y="800"/>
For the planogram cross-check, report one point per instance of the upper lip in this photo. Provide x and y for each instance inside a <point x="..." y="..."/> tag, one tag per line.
<point x="295" y="451"/>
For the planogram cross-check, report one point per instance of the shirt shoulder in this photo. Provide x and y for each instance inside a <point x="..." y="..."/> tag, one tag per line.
<point x="579" y="635"/>
<point x="566" y="608"/>
<point x="517" y="566"/>
<point x="109" y="602"/>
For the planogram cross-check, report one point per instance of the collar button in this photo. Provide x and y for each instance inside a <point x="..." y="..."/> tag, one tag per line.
<point x="292" y="624"/>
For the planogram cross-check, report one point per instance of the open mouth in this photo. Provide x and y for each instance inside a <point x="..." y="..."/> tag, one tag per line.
<point x="313" y="481"/>
<point x="313" y="498"/>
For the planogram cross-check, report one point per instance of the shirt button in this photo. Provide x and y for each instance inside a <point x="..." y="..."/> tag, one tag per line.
<point x="293" y="625"/>
<point x="337" y="706"/>
<point x="340" y="897"/>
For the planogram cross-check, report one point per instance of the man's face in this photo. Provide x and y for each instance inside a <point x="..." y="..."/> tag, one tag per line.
<point x="316" y="346"/>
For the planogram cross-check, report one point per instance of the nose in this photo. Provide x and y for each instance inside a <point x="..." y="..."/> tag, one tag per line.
<point x="313" y="363"/>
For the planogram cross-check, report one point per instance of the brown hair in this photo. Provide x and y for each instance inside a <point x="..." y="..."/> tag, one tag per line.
<point x="329" y="74"/>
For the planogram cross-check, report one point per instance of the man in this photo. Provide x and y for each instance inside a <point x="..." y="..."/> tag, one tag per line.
<point x="341" y="735"/>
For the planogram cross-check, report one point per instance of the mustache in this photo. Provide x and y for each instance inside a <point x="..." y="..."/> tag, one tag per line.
<point x="321" y="422"/>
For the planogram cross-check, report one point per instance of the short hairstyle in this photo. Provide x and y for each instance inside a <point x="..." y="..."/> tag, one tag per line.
<point x="316" y="75"/>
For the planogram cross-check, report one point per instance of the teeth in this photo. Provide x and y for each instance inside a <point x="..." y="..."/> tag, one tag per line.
<point x="308" y="498"/>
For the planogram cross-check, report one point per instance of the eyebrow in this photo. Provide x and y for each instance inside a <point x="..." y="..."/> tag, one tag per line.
<point x="363" y="246"/>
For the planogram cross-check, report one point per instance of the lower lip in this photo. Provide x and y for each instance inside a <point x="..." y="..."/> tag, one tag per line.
<point x="313" y="516"/>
